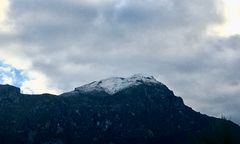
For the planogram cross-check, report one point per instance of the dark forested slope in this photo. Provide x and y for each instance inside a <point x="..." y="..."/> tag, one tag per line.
<point x="112" y="111"/>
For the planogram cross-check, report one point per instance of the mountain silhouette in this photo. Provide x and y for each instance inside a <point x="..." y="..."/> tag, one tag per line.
<point x="132" y="110"/>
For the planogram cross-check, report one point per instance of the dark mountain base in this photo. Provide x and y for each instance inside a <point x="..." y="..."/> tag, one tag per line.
<point x="143" y="114"/>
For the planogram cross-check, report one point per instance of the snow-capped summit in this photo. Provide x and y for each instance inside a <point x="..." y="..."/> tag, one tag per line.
<point x="115" y="84"/>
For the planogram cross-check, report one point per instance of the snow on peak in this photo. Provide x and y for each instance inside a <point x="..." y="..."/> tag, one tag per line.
<point x="115" y="84"/>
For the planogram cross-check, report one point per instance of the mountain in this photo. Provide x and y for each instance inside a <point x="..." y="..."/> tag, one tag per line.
<point x="133" y="110"/>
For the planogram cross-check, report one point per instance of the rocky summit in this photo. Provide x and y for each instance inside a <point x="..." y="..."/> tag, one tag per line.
<point x="132" y="110"/>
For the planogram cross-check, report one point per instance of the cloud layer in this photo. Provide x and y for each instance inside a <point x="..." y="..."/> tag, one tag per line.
<point x="72" y="42"/>
<point x="11" y="75"/>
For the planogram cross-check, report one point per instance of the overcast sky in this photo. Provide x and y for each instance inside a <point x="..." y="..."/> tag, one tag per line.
<point x="192" y="46"/>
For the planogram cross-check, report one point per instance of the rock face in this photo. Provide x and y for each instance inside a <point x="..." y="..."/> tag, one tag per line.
<point x="116" y="84"/>
<point x="8" y="90"/>
<point x="137" y="109"/>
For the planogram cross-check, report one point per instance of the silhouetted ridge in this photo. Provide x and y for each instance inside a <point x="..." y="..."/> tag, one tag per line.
<point x="8" y="90"/>
<point x="136" y="109"/>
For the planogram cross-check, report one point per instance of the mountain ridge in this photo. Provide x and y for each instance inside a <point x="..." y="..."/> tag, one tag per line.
<point x="143" y="112"/>
<point x="115" y="84"/>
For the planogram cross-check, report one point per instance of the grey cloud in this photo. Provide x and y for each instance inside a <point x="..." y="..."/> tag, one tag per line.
<point x="214" y="87"/>
<point x="71" y="22"/>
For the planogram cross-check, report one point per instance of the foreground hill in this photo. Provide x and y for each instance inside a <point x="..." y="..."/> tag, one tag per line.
<point x="131" y="110"/>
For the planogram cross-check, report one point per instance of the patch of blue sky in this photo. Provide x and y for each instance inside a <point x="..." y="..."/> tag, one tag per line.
<point x="11" y="75"/>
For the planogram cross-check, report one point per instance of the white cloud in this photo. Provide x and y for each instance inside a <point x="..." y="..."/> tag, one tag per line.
<point x="3" y="10"/>
<point x="7" y="80"/>
<point x="232" y="19"/>
<point x="5" y="26"/>
<point x="37" y="83"/>
<point x="10" y="75"/>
